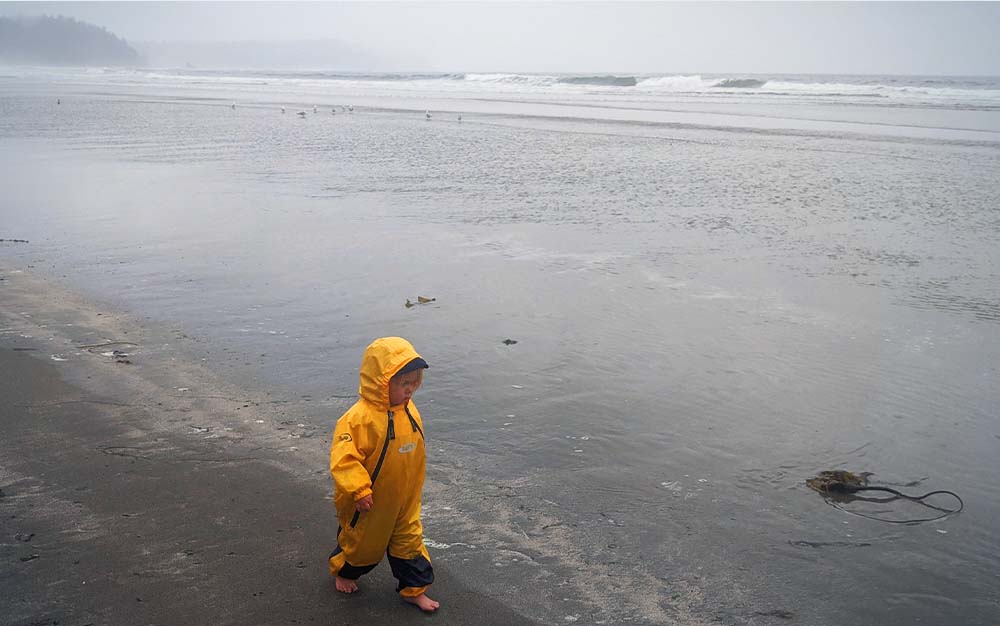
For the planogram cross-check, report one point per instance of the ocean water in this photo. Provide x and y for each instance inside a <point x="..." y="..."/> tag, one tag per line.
<point x="718" y="286"/>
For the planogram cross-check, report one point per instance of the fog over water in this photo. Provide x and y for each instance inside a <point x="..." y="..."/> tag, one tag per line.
<point x="646" y="37"/>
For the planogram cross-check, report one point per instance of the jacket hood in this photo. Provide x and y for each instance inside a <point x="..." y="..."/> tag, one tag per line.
<point x="383" y="358"/>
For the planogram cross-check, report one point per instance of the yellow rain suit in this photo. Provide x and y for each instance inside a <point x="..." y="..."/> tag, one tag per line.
<point x="379" y="450"/>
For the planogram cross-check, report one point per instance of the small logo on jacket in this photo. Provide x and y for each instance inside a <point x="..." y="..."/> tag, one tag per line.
<point x="407" y="447"/>
<point x="345" y="437"/>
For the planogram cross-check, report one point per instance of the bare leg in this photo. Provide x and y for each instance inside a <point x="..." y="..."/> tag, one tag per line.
<point x="423" y="602"/>
<point x="346" y="585"/>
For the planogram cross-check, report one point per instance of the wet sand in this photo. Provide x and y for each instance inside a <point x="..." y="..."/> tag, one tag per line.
<point x="143" y="493"/>
<point x="705" y="318"/>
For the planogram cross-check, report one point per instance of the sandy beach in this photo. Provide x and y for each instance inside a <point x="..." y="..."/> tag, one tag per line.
<point x="144" y="493"/>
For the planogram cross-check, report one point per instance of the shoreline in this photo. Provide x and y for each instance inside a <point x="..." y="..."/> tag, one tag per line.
<point x="150" y="492"/>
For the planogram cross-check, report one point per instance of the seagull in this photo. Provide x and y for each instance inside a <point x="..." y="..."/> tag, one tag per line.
<point x="459" y="118"/>
<point x="314" y="109"/>
<point x="234" y="106"/>
<point x="58" y="100"/>
<point x="301" y="114"/>
<point x="333" y="110"/>
<point x="282" y="109"/>
<point x="427" y="114"/>
<point x="350" y="108"/>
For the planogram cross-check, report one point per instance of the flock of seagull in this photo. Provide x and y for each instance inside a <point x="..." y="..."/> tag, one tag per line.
<point x="344" y="109"/>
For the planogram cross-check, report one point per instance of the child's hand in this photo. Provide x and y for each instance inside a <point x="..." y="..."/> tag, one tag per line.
<point x="364" y="504"/>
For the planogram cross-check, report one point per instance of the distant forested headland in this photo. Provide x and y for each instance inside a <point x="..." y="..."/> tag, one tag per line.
<point x="61" y="41"/>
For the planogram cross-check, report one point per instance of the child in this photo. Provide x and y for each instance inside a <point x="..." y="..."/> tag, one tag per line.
<point x="377" y="462"/>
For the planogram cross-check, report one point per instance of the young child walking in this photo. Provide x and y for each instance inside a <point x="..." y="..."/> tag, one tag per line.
<point x="378" y="462"/>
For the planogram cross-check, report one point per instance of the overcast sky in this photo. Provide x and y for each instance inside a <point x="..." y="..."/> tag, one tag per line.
<point x="649" y="37"/>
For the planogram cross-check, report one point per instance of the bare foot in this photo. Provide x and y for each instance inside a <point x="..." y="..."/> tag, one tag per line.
<point x="426" y="604"/>
<point x="346" y="585"/>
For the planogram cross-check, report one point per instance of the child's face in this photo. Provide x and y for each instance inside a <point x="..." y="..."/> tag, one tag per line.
<point x="402" y="388"/>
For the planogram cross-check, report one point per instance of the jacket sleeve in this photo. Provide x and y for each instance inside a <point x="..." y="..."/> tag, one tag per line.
<point x="347" y="458"/>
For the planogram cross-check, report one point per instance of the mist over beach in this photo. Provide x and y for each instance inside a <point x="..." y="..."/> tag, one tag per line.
<point x="662" y="300"/>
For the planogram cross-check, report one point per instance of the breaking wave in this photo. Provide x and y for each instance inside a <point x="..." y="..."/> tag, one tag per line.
<point x="541" y="80"/>
<point x="741" y="83"/>
<point x="615" y="81"/>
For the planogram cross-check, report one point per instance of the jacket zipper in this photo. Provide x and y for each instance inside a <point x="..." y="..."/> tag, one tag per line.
<point x="391" y="434"/>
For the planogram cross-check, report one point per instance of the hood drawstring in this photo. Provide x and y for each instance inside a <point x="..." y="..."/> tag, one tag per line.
<point x="413" y="422"/>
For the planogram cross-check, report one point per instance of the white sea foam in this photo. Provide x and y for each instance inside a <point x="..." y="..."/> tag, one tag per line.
<point x="675" y="83"/>
<point x="524" y="79"/>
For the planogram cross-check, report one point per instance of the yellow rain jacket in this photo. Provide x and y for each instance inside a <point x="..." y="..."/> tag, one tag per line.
<point x="379" y="450"/>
